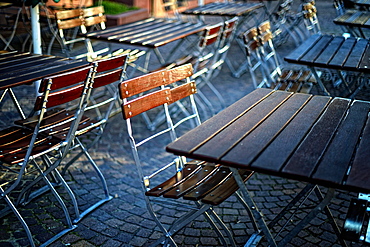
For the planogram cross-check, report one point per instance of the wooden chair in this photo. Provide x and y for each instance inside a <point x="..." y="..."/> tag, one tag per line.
<point x="100" y="107"/>
<point x="202" y="58"/>
<point x="30" y="154"/>
<point x="202" y="184"/>
<point x="273" y="74"/>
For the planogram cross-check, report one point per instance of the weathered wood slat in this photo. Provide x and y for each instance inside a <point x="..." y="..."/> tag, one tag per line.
<point x="298" y="53"/>
<point x="341" y="56"/>
<point x="38" y="74"/>
<point x="265" y="132"/>
<point x="220" y="144"/>
<point x="275" y="154"/>
<point x="316" y="49"/>
<point x="185" y="145"/>
<point x="325" y="57"/>
<point x="354" y="58"/>
<point x="360" y="173"/>
<point x="337" y="158"/>
<point x="304" y="160"/>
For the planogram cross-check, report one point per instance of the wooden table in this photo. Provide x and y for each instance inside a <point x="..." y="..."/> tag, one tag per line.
<point x="354" y="21"/>
<point x="227" y="10"/>
<point x="21" y="68"/>
<point x="333" y="52"/>
<point x="316" y="139"/>
<point x="150" y="33"/>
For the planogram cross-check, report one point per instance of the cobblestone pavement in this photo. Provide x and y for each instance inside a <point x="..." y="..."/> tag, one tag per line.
<point x="124" y="221"/>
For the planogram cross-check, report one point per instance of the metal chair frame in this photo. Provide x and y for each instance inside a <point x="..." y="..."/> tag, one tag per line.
<point x="23" y="149"/>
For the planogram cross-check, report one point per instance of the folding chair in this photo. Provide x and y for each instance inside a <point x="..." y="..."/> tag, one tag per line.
<point x="9" y="19"/>
<point x="193" y="187"/>
<point x="274" y="75"/>
<point x="31" y="154"/>
<point x="100" y="107"/>
<point x="310" y="18"/>
<point x="202" y="59"/>
<point x="94" y="17"/>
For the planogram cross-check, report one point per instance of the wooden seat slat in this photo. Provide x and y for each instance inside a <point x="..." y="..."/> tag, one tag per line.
<point x="265" y="129"/>
<point x="325" y="57"/>
<point x="221" y="119"/>
<point x="341" y="56"/>
<point x="218" y="146"/>
<point x="169" y="183"/>
<point x="192" y="182"/>
<point x="359" y="172"/>
<point x="340" y="152"/>
<point x="275" y="154"/>
<point x="355" y="57"/>
<point x="316" y="49"/>
<point x="303" y="49"/>
<point x="210" y="184"/>
<point x="304" y="160"/>
<point x="221" y="193"/>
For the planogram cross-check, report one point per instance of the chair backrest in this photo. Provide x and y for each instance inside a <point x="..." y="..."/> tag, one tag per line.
<point x="147" y="94"/>
<point x="207" y="48"/>
<point x="56" y="92"/>
<point x="310" y="19"/>
<point x="252" y="45"/>
<point x="104" y="95"/>
<point x="227" y="36"/>
<point x="94" y="16"/>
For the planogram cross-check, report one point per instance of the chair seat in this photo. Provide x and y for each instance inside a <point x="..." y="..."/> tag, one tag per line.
<point x="15" y="142"/>
<point x="60" y="120"/>
<point x="295" y="81"/>
<point x="199" y="180"/>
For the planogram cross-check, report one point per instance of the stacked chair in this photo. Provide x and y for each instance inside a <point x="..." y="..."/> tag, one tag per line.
<point x="207" y="60"/>
<point x="192" y="188"/>
<point x="262" y="58"/>
<point x="100" y="107"/>
<point x="31" y="154"/>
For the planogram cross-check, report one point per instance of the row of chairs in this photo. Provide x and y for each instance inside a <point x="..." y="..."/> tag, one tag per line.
<point x="69" y="118"/>
<point x="263" y="62"/>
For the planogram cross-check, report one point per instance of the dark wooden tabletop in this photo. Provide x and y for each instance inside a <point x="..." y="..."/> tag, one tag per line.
<point x="354" y="18"/>
<point x="316" y="139"/>
<point x="224" y="9"/>
<point x="20" y="68"/>
<point x="150" y="32"/>
<point x="333" y="52"/>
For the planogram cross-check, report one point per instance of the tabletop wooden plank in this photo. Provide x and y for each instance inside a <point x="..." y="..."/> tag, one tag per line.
<point x="316" y="49"/>
<point x="304" y="160"/>
<point x="359" y="175"/>
<point x="355" y="57"/>
<point x="336" y="160"/>
<point x="264" y="132"/>
<point x="325" y="57"/>
<point x="296" y="55"/>
<point x="220" y="144"/>
<point x="341" y="56"/>
<point x="29" y="64"/>
<point x="36" y="75"/>
<point x="185" y="145"/>
<point x="365" y="63"/>
<point x="224" y="9"/>
<point x="275" y="155"/>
